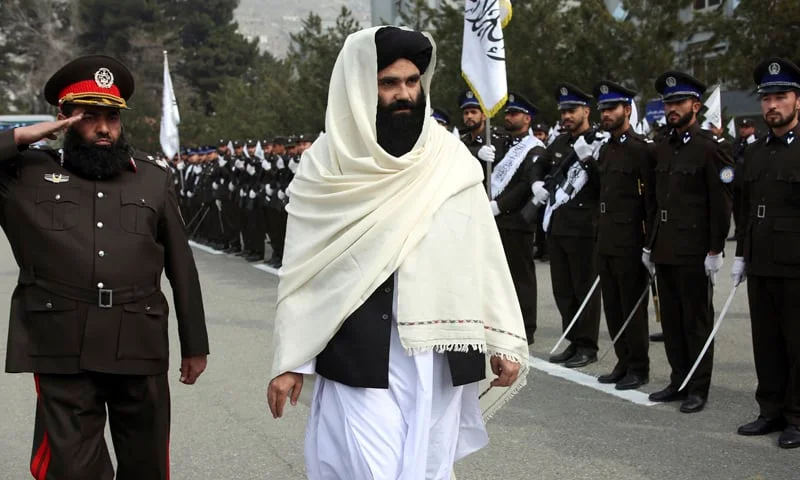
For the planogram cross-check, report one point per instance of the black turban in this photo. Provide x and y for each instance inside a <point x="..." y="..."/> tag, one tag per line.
<point x="393" y="43"/>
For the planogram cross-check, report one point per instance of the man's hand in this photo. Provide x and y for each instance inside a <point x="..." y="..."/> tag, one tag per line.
<point x="486" y="153"/>
<point x="540" y="194"/>
<point x="738" y="271"/>
<point x="506" y="371"/>
<point x="713" y="263"/>
<point x="280" y="388"/>
<point x="191" y="368"/>
<point x="648" y="264"/>
<point x="39" y="131"/>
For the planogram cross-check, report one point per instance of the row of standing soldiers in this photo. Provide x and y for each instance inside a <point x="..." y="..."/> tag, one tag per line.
<point x="625" y="213"/>
<point x="233" y="197"/>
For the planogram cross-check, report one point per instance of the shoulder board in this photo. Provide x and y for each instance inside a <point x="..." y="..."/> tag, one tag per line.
<point x="145" y="158"/>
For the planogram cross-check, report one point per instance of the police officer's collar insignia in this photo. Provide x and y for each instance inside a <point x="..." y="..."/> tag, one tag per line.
<point x="671" y="82"/>
<point x="623" y="138"/>
<point x="686" y="137"/>
<point x="790" y="137"/>
<point x="726" y="175"/>
<point x="774" y="68"/>
<point x="104" y="78"/>
<point x="133" y="165"/>
<point x="56" y="178"/>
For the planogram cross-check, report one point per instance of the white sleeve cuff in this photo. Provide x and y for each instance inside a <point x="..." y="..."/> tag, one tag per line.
<point x="308" y="368"/>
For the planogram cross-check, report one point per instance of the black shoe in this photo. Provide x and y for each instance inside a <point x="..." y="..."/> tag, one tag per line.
<point x="693" y="403"/>
<point x="278" y="264"/>
<point x="669" y="394"/>
<point x="657" y="337"/>
<point x="562" y="357"/>
<point x="581" y="359"/>
<point x="613" y="377"/>
<point x="790" y="438"/>
<point x="762" y="426"/>
<point x="244" y="253"/>
<point x="254" y="257"/>
<point x="632" y="381"/>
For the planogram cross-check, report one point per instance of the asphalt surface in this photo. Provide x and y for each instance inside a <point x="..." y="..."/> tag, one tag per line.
<point x="554" y="429"/>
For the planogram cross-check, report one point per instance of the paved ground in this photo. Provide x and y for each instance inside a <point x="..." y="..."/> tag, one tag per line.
<point x="554" y="429"/>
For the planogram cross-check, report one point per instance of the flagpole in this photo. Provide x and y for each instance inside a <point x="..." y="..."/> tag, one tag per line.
<point x="487" y="140"/>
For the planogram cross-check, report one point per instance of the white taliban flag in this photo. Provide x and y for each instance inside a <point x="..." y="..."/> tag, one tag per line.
<point x="714" y="110"/>
<point x="637" y="127"/>
<point x="732" y="127"/>
<point x="483" y="58"/>
<point x="170" y="118"/>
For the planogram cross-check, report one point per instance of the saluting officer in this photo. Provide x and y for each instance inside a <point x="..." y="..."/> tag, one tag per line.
<point x="92" y="231"/>
<point x="627" y="206"/>
<point x="693" y="174"/>
<point x="768" y="250"/>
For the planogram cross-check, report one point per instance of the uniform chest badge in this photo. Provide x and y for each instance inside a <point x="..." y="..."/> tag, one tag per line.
<point x="56" y="178"/>
<point x="726" y="175"/>
<point x="558" y="155"/>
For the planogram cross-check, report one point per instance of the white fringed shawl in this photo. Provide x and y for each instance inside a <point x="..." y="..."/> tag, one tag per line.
<point x="358" y="214"/>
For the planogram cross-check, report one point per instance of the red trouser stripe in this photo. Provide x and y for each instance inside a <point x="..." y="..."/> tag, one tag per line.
<point x="167" y="457"/>
<point x="41" y="461"/>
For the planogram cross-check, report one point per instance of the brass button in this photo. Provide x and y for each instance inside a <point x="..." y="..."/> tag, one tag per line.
<point x="387" y="289"/>
<point x="100" y="195"/>
<point x="101" y="253"/>
<point x="100" y="285"/>
<point x="48" y="305"/>
<point x="385" y="316"/>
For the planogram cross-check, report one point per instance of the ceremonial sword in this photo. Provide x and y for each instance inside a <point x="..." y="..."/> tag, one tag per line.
<point x="577" y="314"/>
<point x="710" y="337"/>
<point x="628" y="320"/>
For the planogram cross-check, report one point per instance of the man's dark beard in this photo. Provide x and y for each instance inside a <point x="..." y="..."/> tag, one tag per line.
<point x="781" y="122"/>
<point x="473" y="127"/>
<point x="95" y="162"/>
<point x="683" y="121"/>
<point x="398" y="132"/>
<point x="615" y="124"/>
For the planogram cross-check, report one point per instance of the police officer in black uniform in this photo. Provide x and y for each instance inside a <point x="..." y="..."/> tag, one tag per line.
<point x="571" y="234"/>
<point x="474" y="122"/>
<point x="514" y="175"/>
<point x="746" y="136"/>
<point x="627" y="206"/>
<point x="693" y="174"/>
<point x="768" y="249"/>
<point x="441" y="117"/>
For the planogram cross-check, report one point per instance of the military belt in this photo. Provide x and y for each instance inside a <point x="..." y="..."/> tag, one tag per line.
<point x="102" y="297"/>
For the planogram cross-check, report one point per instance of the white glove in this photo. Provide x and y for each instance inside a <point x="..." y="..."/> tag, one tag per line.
<point x="181" y="165"/>
<point x="265" y="165"/>
<point x="218" y="203"/>
<point x="251" y="170"/>
<point x="270" y="191"/>
<point x="214" y="185"/>
<point x="222" y="181"/>
<point x="280" y="163"/>
<point x="540" y="194"/>
<point x="582" y="149"/>
<point x="281" y="195"/>
<point x="231" y="187"/>
<point x="183" y="194"/>
<point x="751" y="139"/>
<point x="252" y="194"/>
<point x="293" y="164"/>
<point x="486" y="153"/>
<point x="561" y="197"/>
<point x="713" y="263"/>
<point x="189" y="194"/>
<point x="241" y="192"/>
<point x="495" y="208"/>
<point x="738" y="272"/>
<point x="648" y="264"/>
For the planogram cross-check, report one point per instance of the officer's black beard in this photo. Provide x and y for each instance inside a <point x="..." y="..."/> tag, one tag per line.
<point x="780" y="122"/>
<point x="683" y="121"/>
<point x="95" y="162"/>
<point x="398" y="132"/>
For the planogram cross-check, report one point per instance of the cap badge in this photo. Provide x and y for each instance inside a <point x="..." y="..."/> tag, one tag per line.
<point x="603" y="89"/>
<point x="774" y="68"/>
<point x="564" y="91"/>
<point x="511" y="98"/>
<point x="671" y="82"/>
<point x="470" y="94"/>
<point x="104" y="78"/>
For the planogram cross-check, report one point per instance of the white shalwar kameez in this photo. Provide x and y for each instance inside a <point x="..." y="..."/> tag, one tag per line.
<point x="414" y="430"/>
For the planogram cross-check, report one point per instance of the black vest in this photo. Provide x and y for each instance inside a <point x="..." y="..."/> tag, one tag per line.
<point x="358" y="355"/>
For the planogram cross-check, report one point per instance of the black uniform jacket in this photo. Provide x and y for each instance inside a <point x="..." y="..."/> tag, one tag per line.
<point x="770" y="239"/>
<point x="91" y="254"/>
<point x="358" y="355"/>
<point x="627" y="194"/>
<point x="577" y="217"/>
<point x="693" y="176"/>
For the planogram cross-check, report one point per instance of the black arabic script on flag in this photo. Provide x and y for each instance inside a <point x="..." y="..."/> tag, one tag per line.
<point x="483" y="16"/>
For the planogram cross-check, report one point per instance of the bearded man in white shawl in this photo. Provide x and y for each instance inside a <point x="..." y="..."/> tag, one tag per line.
<point x="394" y="290"/>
